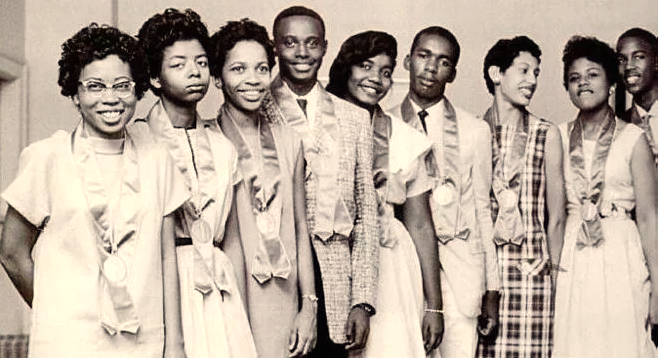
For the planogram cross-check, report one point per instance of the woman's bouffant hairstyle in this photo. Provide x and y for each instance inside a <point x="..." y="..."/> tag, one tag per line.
<point x="96" y="42"/>
<point x="594" y="50"/>
<point x="503" y="53"/>
<point x="233" y="32"/>
<point x="355" y="50"/>
<point x="163" y="30"/>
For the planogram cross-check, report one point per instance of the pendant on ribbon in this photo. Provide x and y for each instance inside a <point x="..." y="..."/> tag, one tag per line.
<point x="508" y="159"/>
<point x="590" y="188"/>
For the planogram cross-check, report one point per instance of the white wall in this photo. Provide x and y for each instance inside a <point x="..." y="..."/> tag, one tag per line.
<point x="13" y="312"/>
<point x="477" y="25"/>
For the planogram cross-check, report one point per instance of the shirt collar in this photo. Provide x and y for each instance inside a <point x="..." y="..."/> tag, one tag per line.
<point x="653" y="111"/>
<point x="434" y="111"/>
<point x="311" y="101"/>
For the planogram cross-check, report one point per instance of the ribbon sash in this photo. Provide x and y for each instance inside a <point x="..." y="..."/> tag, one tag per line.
<point x="644" y="123"/>
<point x="590" y="189"/>
<point x="508" y="159"/>
<point x="443" y="162"/>
<point x="114" y="224"/>
<point x="204" y="189"/>
<point x="201" y="180"/>
<point x="382" y="131"/>
<point x="262" y="176"/>
<point x="322" y="154"/>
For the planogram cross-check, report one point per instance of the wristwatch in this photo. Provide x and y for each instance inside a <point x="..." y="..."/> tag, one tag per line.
<point x="366" y="307"/>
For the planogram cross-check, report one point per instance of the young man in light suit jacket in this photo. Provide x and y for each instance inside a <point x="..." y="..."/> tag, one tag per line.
<point x="637" y="51"/>
<point x="341" y="202"/>
<point x="461" y="162"/>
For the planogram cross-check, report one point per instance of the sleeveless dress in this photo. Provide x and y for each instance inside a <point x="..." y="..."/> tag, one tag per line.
<point x="602" y="301"/>
<point x="214" y="320"/>
<point x="395" y="331"/>
<point x="70" y="313"/>
<point x="273" y="304"/>
<point x="526" y="305"/>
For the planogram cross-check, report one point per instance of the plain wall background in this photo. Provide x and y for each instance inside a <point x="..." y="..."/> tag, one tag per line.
<point x="31" y="32"/>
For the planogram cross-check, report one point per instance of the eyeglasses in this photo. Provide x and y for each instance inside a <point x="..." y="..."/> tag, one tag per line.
<point x="97" y="89"/>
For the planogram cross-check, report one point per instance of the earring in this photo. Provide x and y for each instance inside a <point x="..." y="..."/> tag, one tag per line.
<point x="611" y="91"/>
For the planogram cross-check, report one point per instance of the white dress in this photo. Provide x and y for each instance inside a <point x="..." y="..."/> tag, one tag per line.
<point x="395" y="330"/>
<point x="70" y="297"/>
<point x="602" y="300"/>
<point x="215" y="323"/>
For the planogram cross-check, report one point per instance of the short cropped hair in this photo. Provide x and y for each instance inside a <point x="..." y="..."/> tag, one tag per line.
<point x="355" y="50"/>
<point x="297" y="11"/>
<point x="163" y="30"/>
<point x="642" y="34"/>
<point x="441" y="32"/>
<point x="94" y="43"/>
<point x="233" y="32"/>
<point x="503" y="53"/>
<point x="594" y="50"/>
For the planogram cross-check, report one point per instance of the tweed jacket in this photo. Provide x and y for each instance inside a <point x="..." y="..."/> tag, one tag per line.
<point x="349" y="266"/>
<point x="468" y="267"/>
<point x="632" y="115"/>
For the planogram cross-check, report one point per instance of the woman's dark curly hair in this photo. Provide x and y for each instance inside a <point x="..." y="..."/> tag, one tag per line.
<point x="503" y="53"/>
<point x="233" y="32"/>
<point x="163" y="30"/>
<point x="96" y="42"/>
<point x="355" y="50"/>
<point x="594" y="50"/>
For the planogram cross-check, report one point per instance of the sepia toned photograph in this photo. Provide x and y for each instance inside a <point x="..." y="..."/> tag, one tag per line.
<point x="412" y="178"/>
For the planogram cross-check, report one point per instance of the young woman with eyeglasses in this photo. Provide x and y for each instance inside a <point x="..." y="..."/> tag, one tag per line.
<point x="88" y="236"/>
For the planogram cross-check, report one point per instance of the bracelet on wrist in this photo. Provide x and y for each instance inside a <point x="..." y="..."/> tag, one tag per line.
<point x="433" y="311"/>
<point x="366" y="307"/>
<point x="312" y="298"/>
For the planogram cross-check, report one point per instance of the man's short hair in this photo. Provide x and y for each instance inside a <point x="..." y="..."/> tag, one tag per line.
<point x="642" y="34"/>
<point x="441" y="32"/>
<point x="297" y="11"/>
<point x="503" y="53"/>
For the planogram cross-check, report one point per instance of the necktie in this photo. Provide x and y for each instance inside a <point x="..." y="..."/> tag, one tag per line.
<point x="302" y="103"/>
<point x="422" y="115"/>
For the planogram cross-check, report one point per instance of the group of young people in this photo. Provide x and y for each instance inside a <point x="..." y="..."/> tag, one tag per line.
<point x="309" y="221"/>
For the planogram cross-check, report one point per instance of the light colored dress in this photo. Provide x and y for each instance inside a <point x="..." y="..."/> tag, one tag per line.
<point x="70" y="315"/>
<point x="395" y="330"/>
<point x="602" y="302"/>
<point x="214" y="320"/>
<point x="273" y="303"/>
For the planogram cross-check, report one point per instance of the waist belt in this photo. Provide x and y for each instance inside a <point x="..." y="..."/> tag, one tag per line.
<point x="184" y="241"/>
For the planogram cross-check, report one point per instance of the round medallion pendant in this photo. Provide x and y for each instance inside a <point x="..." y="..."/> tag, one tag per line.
<point x="444" y="194"/>
<point x="507" y="198"/>
<point x="114" y="269"/>
<point x="200" y="231"/>
<point x="265" y="223"/>
<point x="588" y="211"/>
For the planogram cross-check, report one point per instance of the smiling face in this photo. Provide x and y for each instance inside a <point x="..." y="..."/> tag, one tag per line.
<point x="431" y="66"/>
<point x="184" y="76"/>
<point x="370" y="80"/>
<point x="588" y="85"/>
<point x="519" y="81"/>
<point x="245" y="76"/>
<point x="638" y="65"/>
<point x="107" y="115"/>
<point x="300" y="46"/>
